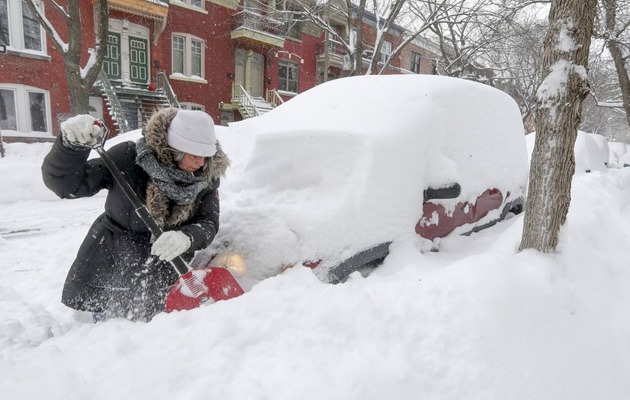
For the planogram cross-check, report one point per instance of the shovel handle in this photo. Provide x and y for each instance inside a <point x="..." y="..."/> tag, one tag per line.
<point x="178" y="262"/>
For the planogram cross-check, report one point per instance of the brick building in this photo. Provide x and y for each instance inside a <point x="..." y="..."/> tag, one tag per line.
<point x="229" y="58"/>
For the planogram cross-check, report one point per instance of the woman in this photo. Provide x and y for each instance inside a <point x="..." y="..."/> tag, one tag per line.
<point x="120" y="271"/>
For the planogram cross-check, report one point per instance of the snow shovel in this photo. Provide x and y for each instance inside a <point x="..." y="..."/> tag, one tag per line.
<point x="194" y="286"/>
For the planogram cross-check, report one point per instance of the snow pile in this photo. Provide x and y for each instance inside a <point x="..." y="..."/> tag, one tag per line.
<point x="475" y="321"/>
<point x="343" y="166"/>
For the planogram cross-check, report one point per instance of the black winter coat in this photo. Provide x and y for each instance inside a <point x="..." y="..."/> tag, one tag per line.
<point x="114" y="271"/>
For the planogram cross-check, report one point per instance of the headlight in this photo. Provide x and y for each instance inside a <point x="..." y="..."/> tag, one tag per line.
<point x="234" y="262"/>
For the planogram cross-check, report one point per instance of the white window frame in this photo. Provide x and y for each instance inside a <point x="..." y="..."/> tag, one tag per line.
<point x="386" y="51"/>
<point x="187" y="67"/>
<point x="16" y="28"/>
<point x="289" y="64"/>
<point x="414" y="55"/>
<point x="23" y="112"/>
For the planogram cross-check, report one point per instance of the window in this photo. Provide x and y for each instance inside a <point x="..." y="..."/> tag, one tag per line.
<point x="188" y="55"/>
<point x="288" y="76"/>
<point x="194" y="3"/>
<point x="386" y="51"/>
<point x="24" y="109"/>
<point x="8" y="115"/>
<point x="293" y="26"/>
<point x="192" y="106"/>
<point x="19" y="29"/>
<point x="415" y="62"/>
<point x="37" y="111"/>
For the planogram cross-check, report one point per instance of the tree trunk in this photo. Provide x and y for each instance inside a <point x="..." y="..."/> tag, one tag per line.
<point x="622" y="74"/>
<point x="559" y="102"/>
<point x="610" y="7"/>
<point x="79" y="96"/>
<point x="79" y="85"/>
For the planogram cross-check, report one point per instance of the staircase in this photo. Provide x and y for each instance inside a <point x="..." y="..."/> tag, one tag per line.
<point x="250" y="106"/>
<point x="131" y="106"/>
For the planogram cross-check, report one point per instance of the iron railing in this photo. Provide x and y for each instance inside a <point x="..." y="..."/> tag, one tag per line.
<point x="162" y="83"/>
<point x="247" y="19"/>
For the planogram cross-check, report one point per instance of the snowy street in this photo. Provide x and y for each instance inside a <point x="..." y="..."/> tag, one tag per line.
<point x="474" y="321"/>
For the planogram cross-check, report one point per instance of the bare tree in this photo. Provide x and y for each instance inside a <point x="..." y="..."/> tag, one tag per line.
<point x="518" y="62"/>
<point x="465" y="31"/>
<point x="615" y="16"/>
<point x="79" y="79"/>
<point x="602" y="111"/>
<point x="365" y="55"/>
<point x="560" y="96"/>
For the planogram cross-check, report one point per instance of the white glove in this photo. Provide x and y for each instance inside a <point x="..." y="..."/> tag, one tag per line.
<point x="170" y="244"/>
<point x="81" y="130"/>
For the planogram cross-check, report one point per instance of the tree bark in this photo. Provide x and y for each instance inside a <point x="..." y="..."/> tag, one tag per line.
<point x="559" y="102"/>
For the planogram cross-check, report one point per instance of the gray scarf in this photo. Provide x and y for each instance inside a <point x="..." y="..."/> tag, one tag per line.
<point x="181" y="187"/>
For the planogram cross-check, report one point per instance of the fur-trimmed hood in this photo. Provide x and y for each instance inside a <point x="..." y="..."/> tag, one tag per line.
<point x="155" y="133"/>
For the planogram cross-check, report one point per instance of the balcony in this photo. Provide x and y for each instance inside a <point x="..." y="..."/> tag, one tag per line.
<point x="146" y="8"/>
<point x="251" y="27"/>
<point x="156" y="10"/>
<point x="335" y="51"/>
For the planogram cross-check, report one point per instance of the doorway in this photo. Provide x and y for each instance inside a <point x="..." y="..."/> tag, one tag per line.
<point x="249" y="71"/>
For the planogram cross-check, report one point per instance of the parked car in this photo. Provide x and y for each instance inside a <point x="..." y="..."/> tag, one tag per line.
<point x="591" y="151"/>
<point x="618" y="154"/>
<point x="341" y="171"/>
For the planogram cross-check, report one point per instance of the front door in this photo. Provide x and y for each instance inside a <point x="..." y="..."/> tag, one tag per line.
<point x="248" y="71"/>
<point x="239" y="67"/>
<point x="256" y="88"/>
<point x="138" y="60"/>
<point x="111" y="63"/>
<point x="127" y="57"/>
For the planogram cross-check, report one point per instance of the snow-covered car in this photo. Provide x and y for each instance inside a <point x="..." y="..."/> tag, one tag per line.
<point x="591" y="151"/>
<point x="618" y="150"/>
<point x="336" y="175"/>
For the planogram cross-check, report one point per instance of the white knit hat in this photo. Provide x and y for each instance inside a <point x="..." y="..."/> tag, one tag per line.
<point x="192" y="132"/>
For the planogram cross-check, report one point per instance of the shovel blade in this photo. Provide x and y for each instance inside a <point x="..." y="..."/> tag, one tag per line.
<point x="210" y="284"/>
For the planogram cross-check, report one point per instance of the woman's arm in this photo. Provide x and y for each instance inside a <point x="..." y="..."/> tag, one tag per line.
<point x="69" y="174"/>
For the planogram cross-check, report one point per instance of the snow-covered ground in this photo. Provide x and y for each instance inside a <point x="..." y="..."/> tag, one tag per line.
<point x="476" y="320"/>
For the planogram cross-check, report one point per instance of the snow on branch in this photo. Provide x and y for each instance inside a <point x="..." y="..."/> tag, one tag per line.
<point x="50" y="30"/>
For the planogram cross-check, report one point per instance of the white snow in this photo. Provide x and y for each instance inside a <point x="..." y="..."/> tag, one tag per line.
<point x="476" y="320"/>
<point x="342" y="167"/>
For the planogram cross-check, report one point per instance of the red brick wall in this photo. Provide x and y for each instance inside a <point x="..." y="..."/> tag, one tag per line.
<point x="215" y="29"/>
